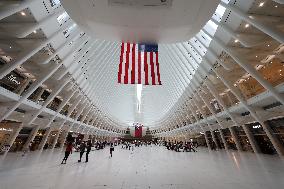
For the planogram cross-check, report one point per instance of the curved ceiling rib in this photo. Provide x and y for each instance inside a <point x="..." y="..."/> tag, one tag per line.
<point x="178" y="63"/>
<point x="96" y="73"/>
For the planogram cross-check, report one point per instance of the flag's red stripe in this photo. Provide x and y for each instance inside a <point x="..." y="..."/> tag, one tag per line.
<point x="127" y="64"/>
<point x="152" y="68"/>
<point x="146" y="68"/>
<point x="120" y="63"/>
<point x="158" y="68"/>
<point x="133" y="65"/>
<point x="139" y="67"/>
<point x="140" y="131"/>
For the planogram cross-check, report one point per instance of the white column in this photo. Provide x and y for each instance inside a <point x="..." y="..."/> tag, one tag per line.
<point x="31" y="137"/>
<point x="44" y="138"/>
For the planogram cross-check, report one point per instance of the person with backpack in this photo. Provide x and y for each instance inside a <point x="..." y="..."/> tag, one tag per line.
<point x="89" y="148"/>
<point x="68" y="151"/>
<point x="82" y="150"/>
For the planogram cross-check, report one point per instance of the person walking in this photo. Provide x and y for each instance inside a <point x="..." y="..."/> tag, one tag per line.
<point x="89" y="147"/>
<point x="68" y="151"/>
<point x="111" y="149"/>
<point x="82" y="150"/>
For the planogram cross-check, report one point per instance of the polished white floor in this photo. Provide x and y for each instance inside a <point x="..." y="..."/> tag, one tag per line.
<point x="145" y="167"/>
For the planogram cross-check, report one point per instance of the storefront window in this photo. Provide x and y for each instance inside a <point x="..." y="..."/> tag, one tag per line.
<point x="261" y="138"/>
<point x="277" y="126"/>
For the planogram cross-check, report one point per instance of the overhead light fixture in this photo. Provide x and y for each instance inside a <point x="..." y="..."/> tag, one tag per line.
<point x="261" y="4"/>
<point x="23" y="13"/>
<point x="247" y="25"/>
<point x="35" y="31"/>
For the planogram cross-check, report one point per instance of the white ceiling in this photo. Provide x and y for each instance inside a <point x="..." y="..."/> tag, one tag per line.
<point x="179" y="22"/>
<point x="136" y="21"/>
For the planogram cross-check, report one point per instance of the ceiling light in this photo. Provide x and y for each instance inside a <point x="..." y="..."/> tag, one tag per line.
<point x="247" y="25"/>
<point x="23" y="13"/>
<point x="236" y="40"/>
<point x="34" y="31"/>
<point x="276" y="6"/>
<point x="10" y="47"/>
<point x="261" y="4"/>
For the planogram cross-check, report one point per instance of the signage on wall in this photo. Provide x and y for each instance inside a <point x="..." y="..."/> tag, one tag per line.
<point x="256" y="126"/>
<point x="13" y="79"/>
<point x="4" y="129"/>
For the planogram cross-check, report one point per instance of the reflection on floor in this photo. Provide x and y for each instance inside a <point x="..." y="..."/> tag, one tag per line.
<point x="145" y="167"/>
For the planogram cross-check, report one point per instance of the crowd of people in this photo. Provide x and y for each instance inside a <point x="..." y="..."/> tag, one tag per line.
<point x="85" y="147"/>
<point x="181" y="146"/>
<point x="129" y="145"/>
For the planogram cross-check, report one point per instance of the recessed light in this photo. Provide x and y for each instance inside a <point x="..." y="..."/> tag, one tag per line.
<point x="247" y="25"/>
<point x="276" y="6"/>
<point x="236" y="40"/>
<point x="10" y="47"/>
<point x="35" y="31"/>
<point x="23" y="13"/>
<point x="261" y="4"/>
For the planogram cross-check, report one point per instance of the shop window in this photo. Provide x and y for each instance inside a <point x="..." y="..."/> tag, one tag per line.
<point x="64" y="110"/>
<point x="44" y="96"/>
<point x="216" y="107"/>
<point x="244" y="141"/>
<point x="21" y="139"/>
<point x="261" y="138"/>
<point x="226" y="132"/>
<point x="277" y="126"/>
<point x="54" y="104"/>
<point x="35" y="94"/>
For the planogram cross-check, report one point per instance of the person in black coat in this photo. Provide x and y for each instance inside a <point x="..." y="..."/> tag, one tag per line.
<point x="111" y="149"/>
<point x="89" y="147"/>
<point x="82" y="150"/>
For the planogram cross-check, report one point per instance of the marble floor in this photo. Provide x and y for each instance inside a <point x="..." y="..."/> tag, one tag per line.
<point x="145" y="167"/>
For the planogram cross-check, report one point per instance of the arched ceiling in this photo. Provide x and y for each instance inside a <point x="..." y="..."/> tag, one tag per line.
<point x="178" y="63"/>
<point x="141" y="21"/>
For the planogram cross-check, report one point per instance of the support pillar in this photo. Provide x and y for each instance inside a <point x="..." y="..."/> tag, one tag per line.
<point x="45" y="137"/>
<point x="235" y="137"/>
<point x="54" y="142"/>
<point x="31" y="138"/>
<point x="251" y="139"/>
<point x="64" y="136"/>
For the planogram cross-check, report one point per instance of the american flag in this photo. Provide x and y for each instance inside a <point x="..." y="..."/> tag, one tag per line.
<point x="139" y="64"/>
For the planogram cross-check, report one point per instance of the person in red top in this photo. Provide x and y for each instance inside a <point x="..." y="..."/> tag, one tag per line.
<point x="68" y="150"/>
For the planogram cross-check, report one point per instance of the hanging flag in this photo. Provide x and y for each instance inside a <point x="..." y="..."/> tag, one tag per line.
<point x="138" y="130"/>
<point x="139" y="64"/>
